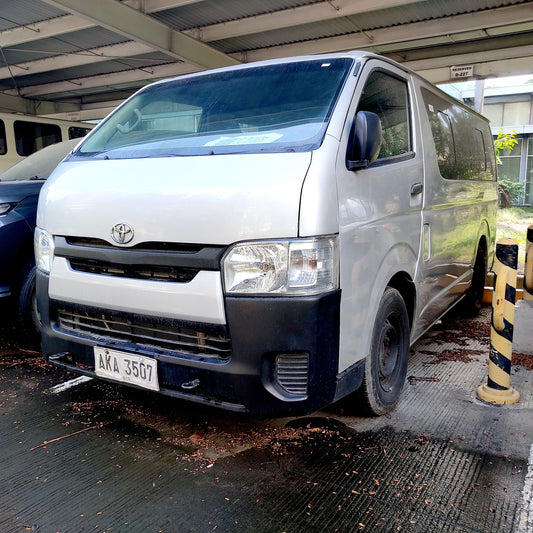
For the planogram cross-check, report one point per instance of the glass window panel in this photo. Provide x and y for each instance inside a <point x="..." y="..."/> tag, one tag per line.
<point x="516" y="113"/>
<point x="529" y="172"/>
<point x="32" y="136"/>
<point x="509" y="169"/>
<point x="74" y="132"/>
<point x="494" y="112"/>
<point x="3" y="140"/>
<point x="386" y="96"/>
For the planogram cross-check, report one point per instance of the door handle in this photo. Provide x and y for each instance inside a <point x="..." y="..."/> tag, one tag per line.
<point x="416" y="188"/>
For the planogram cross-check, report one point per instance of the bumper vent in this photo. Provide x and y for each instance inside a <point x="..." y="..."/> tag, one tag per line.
<point x="202" y="341"/>
<point x="292" y="373"/>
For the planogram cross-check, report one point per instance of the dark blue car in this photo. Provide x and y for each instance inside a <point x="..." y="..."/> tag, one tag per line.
<point x="19" y="193"/>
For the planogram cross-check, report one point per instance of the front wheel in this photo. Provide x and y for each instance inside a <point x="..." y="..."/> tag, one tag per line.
<point x="386" y="365"/>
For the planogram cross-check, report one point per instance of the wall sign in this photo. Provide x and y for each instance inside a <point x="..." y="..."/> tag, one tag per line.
<point x="465" y="71"/>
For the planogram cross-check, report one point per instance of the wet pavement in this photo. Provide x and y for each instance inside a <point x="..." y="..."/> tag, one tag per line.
<point x="100" y="457"/>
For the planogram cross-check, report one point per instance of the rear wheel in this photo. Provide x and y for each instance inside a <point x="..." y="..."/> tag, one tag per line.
<point x="473" y="299"/>
<point x="386" y="365"/>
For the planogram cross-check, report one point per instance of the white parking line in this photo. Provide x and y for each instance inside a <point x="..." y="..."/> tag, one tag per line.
<point x="526" y="516"/>
<point x="69" y="384"/>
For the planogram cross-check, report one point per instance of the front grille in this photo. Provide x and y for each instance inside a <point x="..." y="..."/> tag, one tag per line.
<point x="144" y="246"/>
<point x="292" y="372"/>
<point x="147" y="260"/>
<point x="149" y="272"/>
<point x="202" y="341"/>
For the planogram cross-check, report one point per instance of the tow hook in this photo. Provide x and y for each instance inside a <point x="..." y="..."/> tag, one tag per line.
<point x="190" y="385"/>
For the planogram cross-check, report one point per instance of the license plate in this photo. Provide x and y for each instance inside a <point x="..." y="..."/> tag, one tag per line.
<point x="126" y="368"/>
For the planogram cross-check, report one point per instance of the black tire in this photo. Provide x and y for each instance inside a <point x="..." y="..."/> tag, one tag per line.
<point x="386" y="365"/>
<point x="473" y="299"/>
<point x="28" y="324"/>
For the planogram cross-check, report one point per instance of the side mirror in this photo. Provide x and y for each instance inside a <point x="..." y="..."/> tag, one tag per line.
<point x="365" y="140"/>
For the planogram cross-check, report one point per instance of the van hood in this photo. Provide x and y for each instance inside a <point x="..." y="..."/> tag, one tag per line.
<point x="202" y="200"/>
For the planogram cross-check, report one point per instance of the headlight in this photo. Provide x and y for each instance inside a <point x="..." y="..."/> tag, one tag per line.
<point x="289" y="267"/>
<point x="44" y="250"/>
<point x="6" y="207"/>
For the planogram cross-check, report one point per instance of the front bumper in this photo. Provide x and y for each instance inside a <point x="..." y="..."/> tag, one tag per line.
<point x="261" y="330"/>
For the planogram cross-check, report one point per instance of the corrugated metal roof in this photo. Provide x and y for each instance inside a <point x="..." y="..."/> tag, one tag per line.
<point x="69" y="43"/>
<point x="364" y="22"/>
<point x="14" y="13"/>
<point x="216" y="12"/>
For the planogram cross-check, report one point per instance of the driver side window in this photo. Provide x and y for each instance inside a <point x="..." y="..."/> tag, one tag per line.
<point x="387" y="96"/>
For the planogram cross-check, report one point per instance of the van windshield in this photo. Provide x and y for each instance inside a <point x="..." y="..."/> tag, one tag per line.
<point x="272" y="108"/>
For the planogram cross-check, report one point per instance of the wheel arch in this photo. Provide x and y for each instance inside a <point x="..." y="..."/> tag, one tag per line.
<point x="403" y="283"/>
<point x="487" y="238"/>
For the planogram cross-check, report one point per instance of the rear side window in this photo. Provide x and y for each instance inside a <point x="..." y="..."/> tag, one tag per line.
<point x="3" y="140"/>
<point x="32" y="136"/>
<point x="463" y="142"/>
<point x="387" y="96"/>
<point x="441" y="127"/>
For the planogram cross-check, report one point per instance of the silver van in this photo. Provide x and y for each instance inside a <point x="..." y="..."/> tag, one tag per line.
<point x="269" y="237"/>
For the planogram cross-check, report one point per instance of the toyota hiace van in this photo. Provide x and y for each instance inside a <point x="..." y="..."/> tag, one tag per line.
<point x="269" y="237"/>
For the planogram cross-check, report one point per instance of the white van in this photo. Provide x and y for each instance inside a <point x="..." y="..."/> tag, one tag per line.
<point x="269" y="237"/>
<point x="23" y="135"/>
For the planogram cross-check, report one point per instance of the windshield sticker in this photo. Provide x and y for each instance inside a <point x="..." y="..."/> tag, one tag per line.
<point x="264" y="138"/>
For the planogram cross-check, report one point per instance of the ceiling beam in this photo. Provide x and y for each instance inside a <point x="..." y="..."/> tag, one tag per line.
<point x="87" y="113"/>
<point x="124" y="20"/>
<point x="483" y="70"/>
<point x="75" y="59"/>
<point x="28" y="106"/>
<point x="142" y="77"/>
<point x="478" y="57"/>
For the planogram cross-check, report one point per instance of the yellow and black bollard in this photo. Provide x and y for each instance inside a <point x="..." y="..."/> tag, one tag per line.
<point x="498" y="388"/>
<point x="528" y="269"/>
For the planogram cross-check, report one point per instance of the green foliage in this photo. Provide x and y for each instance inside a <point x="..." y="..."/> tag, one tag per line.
<point x="514" y="188"/>
<point x="505" y="142"/>
<point x="513" y="223"/>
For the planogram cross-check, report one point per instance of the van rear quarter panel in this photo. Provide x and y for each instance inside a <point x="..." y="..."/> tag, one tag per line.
<point x="457" y="214"/>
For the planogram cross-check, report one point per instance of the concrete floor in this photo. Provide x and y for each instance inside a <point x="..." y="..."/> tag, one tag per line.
<point x="100" y="457"/>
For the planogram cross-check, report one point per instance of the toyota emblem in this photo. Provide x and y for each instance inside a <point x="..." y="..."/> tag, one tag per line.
<point x="122" y="233"/>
